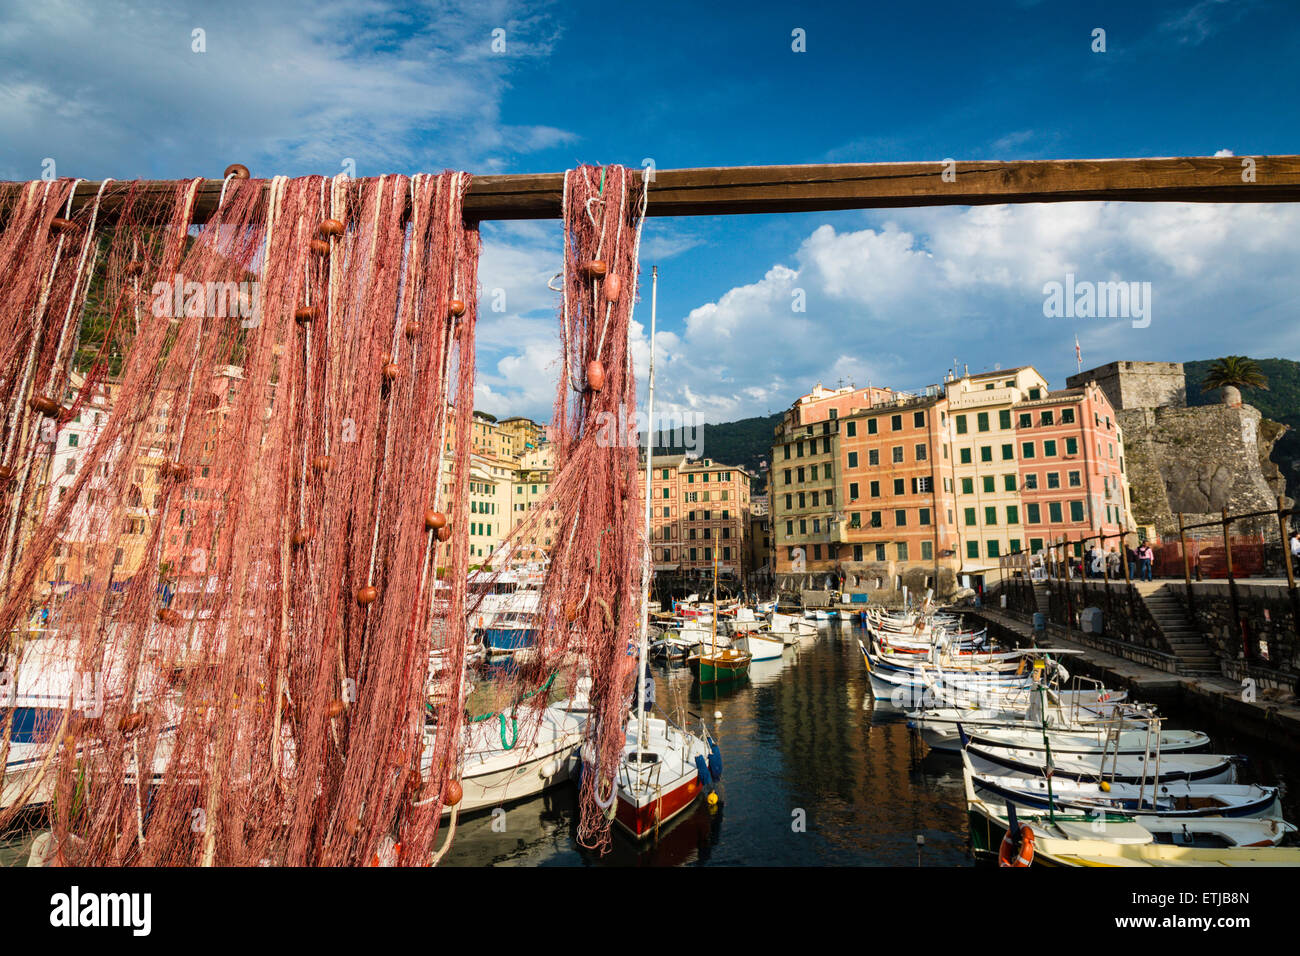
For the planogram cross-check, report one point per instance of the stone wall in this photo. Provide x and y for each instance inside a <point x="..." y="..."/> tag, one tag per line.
<point x="1137" y="384"/>
<point x="1267" y="627"/>
<point x="1124" y="615"/>
<point x="1198" y="461"/>
<point x="882" y="582"/>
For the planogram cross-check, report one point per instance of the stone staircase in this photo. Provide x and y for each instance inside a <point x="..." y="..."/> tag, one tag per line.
<point x="1196" y="659"/>
<point x="1042" y="600"/>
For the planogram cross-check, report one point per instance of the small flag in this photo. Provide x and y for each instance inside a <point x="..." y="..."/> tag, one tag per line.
<point x="1078" y="353"/>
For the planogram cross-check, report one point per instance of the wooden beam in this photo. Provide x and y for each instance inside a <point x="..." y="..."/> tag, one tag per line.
<point x="777" y="189"/>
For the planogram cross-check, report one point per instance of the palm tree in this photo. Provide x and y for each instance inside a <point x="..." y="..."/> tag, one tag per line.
<point x="1232" y="373"/>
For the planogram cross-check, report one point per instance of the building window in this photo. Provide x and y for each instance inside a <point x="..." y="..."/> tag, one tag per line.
<point x="1049" y="449"/>
<point x="880" y="552"/>
<point x="927" y="551"/>
<point x="1076" y="511"/>
<point x="988" y="484"/>
<point x="1027" y="449"/>
<point x="897" y="452"/>
<point x="896" y="423"/>
<point x="968" y="486"/>
<point x="900" y="518"/>
<point x="876" y="520"/>
<point x="1031" y="482"/>
<point x="873" y="456"/>
<point x="969" y="514"/>
<point x="786" y="448"/>
<point x="1035" y="394"/>
<point x="991" y="516"/>
<point x="921" y="453"/>
<point x="902" y="551"/>
<point x="986" y="453"/>
<point x="1072" y="446"/>
<point x="1013" y="514"/>
<point x="961" y="424"/>
<point x="1053" y="479"/>
<point x="853" y="491"/>
<point x="853" y="459"/>
<point x="921" y="485"/>
<point x="993" y="549"/>
<point x="875" y="489"/>
<point x="1004" y="418"/>
<point x="1026" y="420"/>
<point x="972" y="549"/>
<point x="923" y="517"/>
<point x="1046" y="417"/>
<point x="857" y="552"/>
<point x="851" y="429"/>
<point x="1008" y="482"/>
<point x="982" y="421"/>
<point x="965" y="456"/>
<point x="1054" y="512"/>
<point x="899" y="486"/>
<point x="1032" y="514"/>
<point x="1067" y="416"/>
<point x="1008" y="452"/>
<point x="1075" y="481"/>
<point x="871" y="426"/>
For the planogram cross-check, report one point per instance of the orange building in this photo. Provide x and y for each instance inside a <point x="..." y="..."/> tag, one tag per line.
<point x="697" y="507"/>
<point x="898" y="504"/>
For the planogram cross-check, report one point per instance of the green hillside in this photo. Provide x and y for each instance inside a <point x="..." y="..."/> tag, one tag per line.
<point x="745" y="443"/>
<point x="1281" y="403"/>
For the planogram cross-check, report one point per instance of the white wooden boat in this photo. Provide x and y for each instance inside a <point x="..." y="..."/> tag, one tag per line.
<point x="760" y="645"/>
<point x="1097" y="740"/>
<point x="1122" y="768"/>
<point x="1175" y="799"/>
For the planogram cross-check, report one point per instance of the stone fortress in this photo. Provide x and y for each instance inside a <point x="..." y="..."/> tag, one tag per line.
<point x="1194" y="460"/>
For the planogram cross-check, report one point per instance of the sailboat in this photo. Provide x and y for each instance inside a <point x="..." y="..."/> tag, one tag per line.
<point x="664" y="768"/>
<point x="720" y="665"/>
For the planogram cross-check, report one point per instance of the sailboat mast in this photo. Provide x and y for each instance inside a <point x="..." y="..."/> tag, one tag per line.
<point x="714" y="637"/>
<point x="649" y="554"/>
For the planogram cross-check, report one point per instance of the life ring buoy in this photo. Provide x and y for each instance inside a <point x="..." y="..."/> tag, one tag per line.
<point x="1017" y="854"/>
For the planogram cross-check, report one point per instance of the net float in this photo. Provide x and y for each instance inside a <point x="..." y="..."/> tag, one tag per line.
<point x="414" y="781"/>
<point x="456" y="307"/>
<point x="412" y="329"/>
<point x="45" y="406"/>
<point x="435" y="519"/>
<point x="571" y="613"/>
<point x="613" y="287"/>
<point x="70" y="740"/>
<point x="320" y="247"/>
<point x="391" y="371"/>
<point x="300" y="537"/>
<point x="62" y="225"/>
<point x="444" y="533"/>
<point x="131" y="722"/>
<point x="451" y="796"/>
<point x="595" y="375"/>
<point x="597" y="268"/>
<point x="169" y="617"/>
<point x="321" y="463"/>
<point x="335" y="708"/>
<point x="304" y="314"/>
<point x="352" y="826"/>
<point x="331" y="227"/>
<point x="7" y="472"/>
<point x="238" y="170"/>
<point x="367" y="595"/>
<point x="134" y="267"/>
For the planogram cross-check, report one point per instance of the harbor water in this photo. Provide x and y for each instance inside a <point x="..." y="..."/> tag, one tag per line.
<point x="815" y="773"/>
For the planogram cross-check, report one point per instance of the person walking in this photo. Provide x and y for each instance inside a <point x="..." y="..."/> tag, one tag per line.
<point x="1145" y="557"/>
<point x="1131" y="557"/>
<point x="1295" y="546"/>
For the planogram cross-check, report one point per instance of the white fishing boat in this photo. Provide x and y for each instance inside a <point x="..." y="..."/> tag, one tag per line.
<point x="760" y="645"/>
<point x="1175" y="798"/>
<point x="785" y="624"/>
<point x="1121" y="768"/>
<point x="990" y="823"/>
<point x="514" y="755"/>
<point x="1098" y="740"/>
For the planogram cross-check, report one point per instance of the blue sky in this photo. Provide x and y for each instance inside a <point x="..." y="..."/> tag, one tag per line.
<point x="115" y="89"/>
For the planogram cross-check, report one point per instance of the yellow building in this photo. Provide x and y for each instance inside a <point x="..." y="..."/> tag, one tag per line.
<point x="982" y="467"/>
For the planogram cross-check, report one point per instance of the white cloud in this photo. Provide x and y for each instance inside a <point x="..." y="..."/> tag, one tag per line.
<point x="114" y="89"/>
